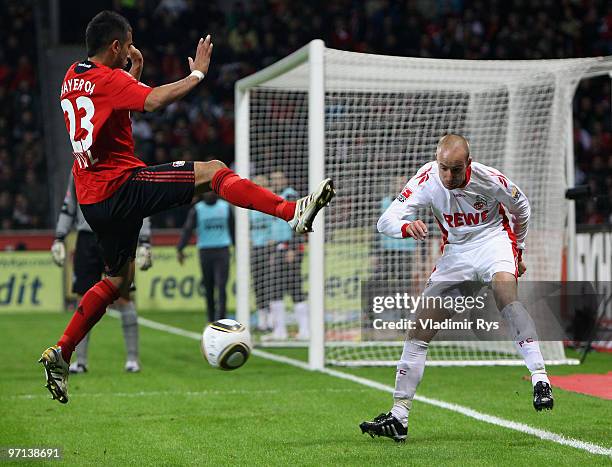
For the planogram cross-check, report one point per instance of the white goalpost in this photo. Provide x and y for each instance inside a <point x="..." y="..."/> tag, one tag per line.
<point x="369" y="122"/>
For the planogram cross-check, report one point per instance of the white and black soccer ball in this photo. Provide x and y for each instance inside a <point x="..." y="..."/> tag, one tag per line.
<point x="226" y="344"/>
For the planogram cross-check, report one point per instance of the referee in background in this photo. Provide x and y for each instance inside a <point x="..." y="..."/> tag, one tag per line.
<point x="213" y="220"/>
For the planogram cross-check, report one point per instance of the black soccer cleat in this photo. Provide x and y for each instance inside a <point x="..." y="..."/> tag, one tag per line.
<point x="385" y="425"/>
<point x="542" y="396"/>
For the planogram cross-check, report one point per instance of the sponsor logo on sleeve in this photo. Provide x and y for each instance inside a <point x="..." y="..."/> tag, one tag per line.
<point x="404" y="195"/>
<point x="501" y="178"/>
<point x="178" y="163"/>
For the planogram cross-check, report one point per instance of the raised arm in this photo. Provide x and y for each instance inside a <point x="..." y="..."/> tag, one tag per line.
<point x="162" y="96"/>
<point x="137" y="62"/>
<point x="395" y="222"/>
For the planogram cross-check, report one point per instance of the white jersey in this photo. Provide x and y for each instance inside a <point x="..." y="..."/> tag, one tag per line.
<point x="467" y="216"/>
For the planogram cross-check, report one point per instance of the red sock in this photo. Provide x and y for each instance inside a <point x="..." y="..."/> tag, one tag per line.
<point x="244" y="193"/>
<point x="91" y="309"/>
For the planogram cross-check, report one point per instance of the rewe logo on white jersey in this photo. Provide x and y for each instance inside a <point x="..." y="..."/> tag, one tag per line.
<point x="459" y="219"/>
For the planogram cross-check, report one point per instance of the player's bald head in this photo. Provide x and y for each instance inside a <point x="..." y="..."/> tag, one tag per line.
<point x="453" y="149"/>
<point x="453" y="157"/>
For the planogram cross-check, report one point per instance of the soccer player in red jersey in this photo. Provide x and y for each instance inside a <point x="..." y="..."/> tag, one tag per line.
<point x="116" y="190"/>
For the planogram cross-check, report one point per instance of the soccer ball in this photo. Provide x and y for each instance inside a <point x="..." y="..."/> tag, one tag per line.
<point x="226" y="344"/>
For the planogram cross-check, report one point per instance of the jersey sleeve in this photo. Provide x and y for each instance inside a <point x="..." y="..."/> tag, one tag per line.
<point x="513" y="198"/>
<point x="67" y="214"/>
<point x="414" y="196"/>
<point x="126" y="92"/>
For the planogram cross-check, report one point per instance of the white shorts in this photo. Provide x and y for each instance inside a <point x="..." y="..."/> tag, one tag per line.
<point x="477" y="264"/>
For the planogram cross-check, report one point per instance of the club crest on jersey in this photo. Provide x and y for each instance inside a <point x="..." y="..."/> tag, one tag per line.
<point x="516" y="194"/>
<point x="404" y="195"/>
<point x="178" y="163"/>
<point x="480" y="203"/>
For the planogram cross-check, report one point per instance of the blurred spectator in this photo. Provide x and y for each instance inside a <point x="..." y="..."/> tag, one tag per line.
<point x="252" y="34"/>
<point x="6" y="206"/>
<point x="23" y="198"/>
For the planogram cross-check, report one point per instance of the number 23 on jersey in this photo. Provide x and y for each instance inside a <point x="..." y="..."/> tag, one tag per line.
<point x="81" y="137"/>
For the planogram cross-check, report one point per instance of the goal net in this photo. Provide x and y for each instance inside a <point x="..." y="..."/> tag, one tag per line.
<point x="381" y="118"/>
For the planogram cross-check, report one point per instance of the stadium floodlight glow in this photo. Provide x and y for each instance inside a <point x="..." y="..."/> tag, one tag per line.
<point x="367" y="120"/>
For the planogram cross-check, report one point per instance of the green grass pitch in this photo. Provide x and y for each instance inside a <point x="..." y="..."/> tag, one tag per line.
<point x="179" y="411"/>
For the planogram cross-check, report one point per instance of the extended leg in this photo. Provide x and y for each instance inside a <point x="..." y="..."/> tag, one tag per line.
<point x="214" y="175"/>
<point x="80" y="366"/>
<point x="409" y="373"/>
<point x="92" y="307"/>
<point x="524" y="334"/>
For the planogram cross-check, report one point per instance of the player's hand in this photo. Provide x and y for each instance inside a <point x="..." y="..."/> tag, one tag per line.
<point x="180" y="256"/>
<point x="58" y="252"/>
<point x="202" y="56"/>
<point x="135" y="55"/>
<point x="144" y="257"/>
<point x="521" y="268"/>
<point x="417" y="230"/>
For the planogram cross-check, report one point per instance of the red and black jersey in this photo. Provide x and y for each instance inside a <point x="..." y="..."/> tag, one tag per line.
<point x="96" y="101"/>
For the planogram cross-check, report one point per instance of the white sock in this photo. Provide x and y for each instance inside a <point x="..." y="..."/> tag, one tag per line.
<point x="301" y="316"/>
<point x="410" y="370"/>
<point x="129" y="323"/>
<point x="523" y="331"/>
<point x="81" y="350"/>
<point x="277" y="310"/>
<point x="262" y="319"/>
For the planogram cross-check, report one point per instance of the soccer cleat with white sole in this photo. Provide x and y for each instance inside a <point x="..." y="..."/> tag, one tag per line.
<point x="542" y="396"/>
<point x="132" y="366"/>
<point x="307" y="208"/>
<point x="56" y="373"/>
<point x="385" y="425"/>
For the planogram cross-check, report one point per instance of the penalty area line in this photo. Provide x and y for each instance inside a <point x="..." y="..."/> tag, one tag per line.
<point x="466" y="411"/>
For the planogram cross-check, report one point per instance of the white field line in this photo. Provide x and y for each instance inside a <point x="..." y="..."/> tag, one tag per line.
<point x="483" y="417"/>
<point x="225" y="392"/>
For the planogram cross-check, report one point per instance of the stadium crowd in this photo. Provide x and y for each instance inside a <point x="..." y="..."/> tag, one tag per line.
<point x="252" y="34"/>
<point x="23" y="191"/>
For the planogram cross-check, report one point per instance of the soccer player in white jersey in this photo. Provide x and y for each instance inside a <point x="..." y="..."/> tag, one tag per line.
<point x="469" y="202"/>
